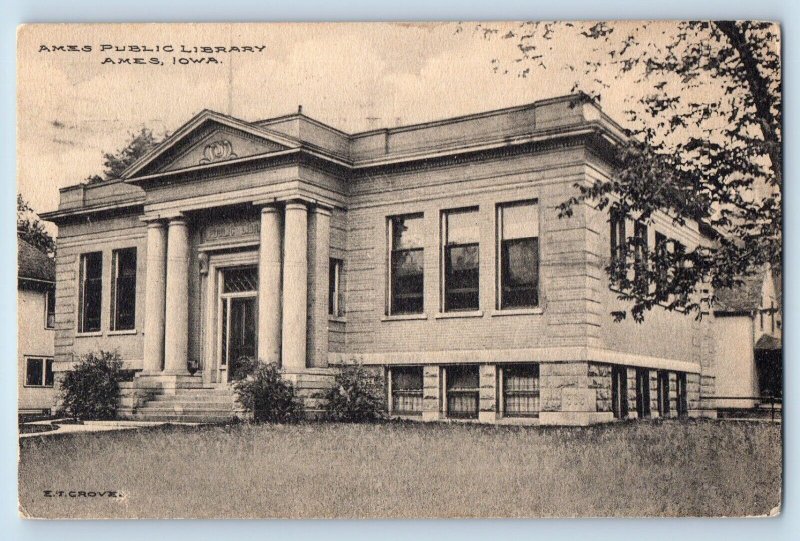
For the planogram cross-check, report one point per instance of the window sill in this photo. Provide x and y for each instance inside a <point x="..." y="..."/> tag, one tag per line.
<point x="404" y="317"/>
<point x="121" y="332"/>
<point x="88" y="334"/>
<point x="448" y="315"/>
<point x="337" y="319"/>
<point x="39" y="386"/>
<point x="518" y="312"/>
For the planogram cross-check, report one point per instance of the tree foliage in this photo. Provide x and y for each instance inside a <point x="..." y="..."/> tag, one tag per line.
<point x="704" y="115"/>
<point x="30" y="227"/>
<point x="262" y="390"/>
<point x="115" y="163"/>
<point x="90" y="391"/>
<point x="357" y="396"/>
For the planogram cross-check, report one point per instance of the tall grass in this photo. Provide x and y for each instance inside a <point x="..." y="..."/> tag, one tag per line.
<point x="669" y="468"/>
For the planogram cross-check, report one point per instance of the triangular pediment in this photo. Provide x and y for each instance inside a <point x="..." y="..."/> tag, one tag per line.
<point x="208" y="139"/>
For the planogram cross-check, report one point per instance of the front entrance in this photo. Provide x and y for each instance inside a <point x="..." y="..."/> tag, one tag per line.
<point x="238" y="290"/>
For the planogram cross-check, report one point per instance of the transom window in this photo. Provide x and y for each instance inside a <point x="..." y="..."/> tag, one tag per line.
<point x="461" y="254"/>
<point x="406" y="264"/>
<point x="123" y="290"/>
<point x="91" y="292"/>
<point x="462" y="390"/>
<point x="38" y="372"/>
<point x="406" y="384"/>
<point x="240" y="279"/>
<point x="521" y="391"/>
<point x="518" y="225"/>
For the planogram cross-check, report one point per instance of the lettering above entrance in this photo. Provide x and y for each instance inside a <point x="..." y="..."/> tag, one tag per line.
<point x="239" y="230"/>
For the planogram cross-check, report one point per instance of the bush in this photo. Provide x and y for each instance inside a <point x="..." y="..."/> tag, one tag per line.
<point x="356" y="397"/>
<point x="90" y="391"/>
<point x="263" y="391"/>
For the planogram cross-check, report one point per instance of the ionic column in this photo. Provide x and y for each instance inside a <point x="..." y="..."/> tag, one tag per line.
<point x="269" y="286"/>
<point x="319" y="253"/>
<point x="155" y="296"/>
<point x="295" y="287"/>
<point x="176" y="339"/>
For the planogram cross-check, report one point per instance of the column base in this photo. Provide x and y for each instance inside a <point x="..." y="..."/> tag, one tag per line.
<point x="574" y="418"/>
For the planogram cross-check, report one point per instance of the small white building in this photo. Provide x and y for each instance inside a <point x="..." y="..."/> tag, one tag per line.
<point x="36" y="323"/>
<point x="747" y="328"/>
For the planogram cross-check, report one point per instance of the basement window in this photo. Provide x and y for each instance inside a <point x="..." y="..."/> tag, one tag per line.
<point x="462" y="392"/>
<point x="406" y="385"/>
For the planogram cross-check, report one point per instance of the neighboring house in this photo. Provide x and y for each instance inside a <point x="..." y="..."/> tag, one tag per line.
<point x="36" y="280"/>
<point x="748" y="332"/>
<point x="432" y="253"/>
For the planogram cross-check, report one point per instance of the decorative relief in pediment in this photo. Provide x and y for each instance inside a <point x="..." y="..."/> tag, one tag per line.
<point x="220" y="146"/>
<point x="218" y="151"/>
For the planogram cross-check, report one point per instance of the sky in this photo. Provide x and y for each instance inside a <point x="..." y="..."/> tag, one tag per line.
<point x="72" y="107"/>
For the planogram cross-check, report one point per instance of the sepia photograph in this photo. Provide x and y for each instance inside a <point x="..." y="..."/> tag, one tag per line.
<point x="522" y="269"/>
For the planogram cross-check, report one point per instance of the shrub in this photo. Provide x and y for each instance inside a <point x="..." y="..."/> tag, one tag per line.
<point x="263" y="391"/>
<point x="91" y="389"/>
<point x="356" y="397"/>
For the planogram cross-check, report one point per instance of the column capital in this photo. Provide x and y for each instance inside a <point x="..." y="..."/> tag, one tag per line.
<point x="325" y="210"/>
<point x="296" y="204"/>
<point x="154" y="223"/>
<point x="270" y="209"/>
<point x="177" y="221"/>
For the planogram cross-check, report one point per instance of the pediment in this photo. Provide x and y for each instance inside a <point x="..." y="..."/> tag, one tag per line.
<point x="221" y="145"/>
<point x="207" y="141"/>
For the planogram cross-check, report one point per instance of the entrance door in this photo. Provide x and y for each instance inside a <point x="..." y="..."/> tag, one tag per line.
<point x="242" y="335"/>
<point x="237" y="320"/>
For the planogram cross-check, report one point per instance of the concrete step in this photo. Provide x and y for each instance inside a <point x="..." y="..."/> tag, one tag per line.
<point x="185" y="397"/>
<point x="183" y="418"/>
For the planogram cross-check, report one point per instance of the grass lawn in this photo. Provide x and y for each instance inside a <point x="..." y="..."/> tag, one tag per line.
<point x="408" y="470"/>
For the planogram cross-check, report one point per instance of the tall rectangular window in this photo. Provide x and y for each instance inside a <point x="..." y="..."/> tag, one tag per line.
<point x="50" y="309"/>
<point x="619" y="392"/>
<point x="661" y="252"/>
<point x="461" y="254"/>
<point x="335" y="305"/>
<point x="91" y="292"/>
<point x="406" y="264"/>
<point x="663" y="393"/>
<point x="521" y="391"/>
<point x="618" y="239"/>
<point x="518" y="226"/>
<point x="123" y="289"/>
<point x="643" y="392"/>
<point x="680" y="391"/>
<point x="641" y="251"/>
<point x="38" y="372"/>
<point x="406" y="384"/>
<point x="462" y="391"/>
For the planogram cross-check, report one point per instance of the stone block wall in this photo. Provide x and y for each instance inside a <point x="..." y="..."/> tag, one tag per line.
<point x="487" y="410"/>
<point x="431" y="393"/>
<point x="600" y="381"/>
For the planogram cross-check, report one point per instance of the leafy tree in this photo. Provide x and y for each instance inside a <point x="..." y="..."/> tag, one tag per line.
<point x="30" y="228"/>
<point x="115" y="163"/>
<point x="704" y="111"/>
